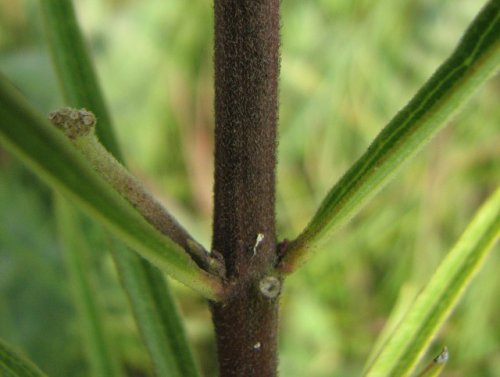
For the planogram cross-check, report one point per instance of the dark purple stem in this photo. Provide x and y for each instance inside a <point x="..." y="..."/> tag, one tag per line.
<point x="246" y="92"/>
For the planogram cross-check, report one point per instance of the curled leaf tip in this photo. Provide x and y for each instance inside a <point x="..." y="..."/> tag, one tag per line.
<point x="75" y="123"/>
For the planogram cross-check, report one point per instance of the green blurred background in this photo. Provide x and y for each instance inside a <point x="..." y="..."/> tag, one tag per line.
<point x="347" y="66"/>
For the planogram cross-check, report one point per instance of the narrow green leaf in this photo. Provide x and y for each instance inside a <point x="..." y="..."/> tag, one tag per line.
<point x="433" y="305"/>
<point x="149" y="293"/>
<point x="12" y="364"/>
<point x="74" y="67"/>
<point x="157" y="316"/>
<point x="475" y="59"/>
<point x="407" y="295"/>
<point x="92" y="327"/>
<point x="47" y="152"/>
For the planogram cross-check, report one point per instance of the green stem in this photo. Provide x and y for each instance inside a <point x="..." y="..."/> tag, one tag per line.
<point x="47" y="152"/>
<point x="79" y="126"/>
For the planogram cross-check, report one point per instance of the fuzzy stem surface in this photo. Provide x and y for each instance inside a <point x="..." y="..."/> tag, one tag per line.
<point x="246" y="92"/>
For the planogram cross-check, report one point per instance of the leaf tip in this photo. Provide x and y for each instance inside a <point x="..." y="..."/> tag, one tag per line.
<point x="442" y="357"/>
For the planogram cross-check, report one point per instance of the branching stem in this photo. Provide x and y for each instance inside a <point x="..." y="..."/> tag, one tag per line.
<point x="79" y="127"/>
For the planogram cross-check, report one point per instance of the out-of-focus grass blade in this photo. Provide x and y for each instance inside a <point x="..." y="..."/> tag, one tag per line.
<point x="74" y="67"/>
<point x="416" y="330"/>
<point x="46" y="151"/>
<point x="153" y="304"/>
<point x="475" y="59"/>
<point x="406" y="296"/>
<point x="92" y="328"/>
<point x="14" y="365"/>
<point x="157" y="316"/>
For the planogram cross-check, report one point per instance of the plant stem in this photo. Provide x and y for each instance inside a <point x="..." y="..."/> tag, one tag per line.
<point x="246" y="90"/>
<point x="148" y="290"/>
<point x="246" y="331"/>
<point x="79" y="127"/>
<point x="47" y="151"/>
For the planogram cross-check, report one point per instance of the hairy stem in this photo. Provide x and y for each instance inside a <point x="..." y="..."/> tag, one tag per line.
<point x="246" y="82"/>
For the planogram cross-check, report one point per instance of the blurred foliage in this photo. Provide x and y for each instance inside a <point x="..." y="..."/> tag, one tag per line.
<point x="347" y="67"/>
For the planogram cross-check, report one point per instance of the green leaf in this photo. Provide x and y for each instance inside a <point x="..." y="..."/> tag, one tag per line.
<point x="407" y="295"/>
<point x="148" y="290"/>
<point x="12" y="364"/>
<point x="434" y="304"/>
<point x="475" y="59"/>
<point x="74" y="67"/>
<point x="157" y="316"/>
<point x="48" y="153"/>
<point x="92" y="327"/>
